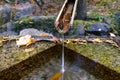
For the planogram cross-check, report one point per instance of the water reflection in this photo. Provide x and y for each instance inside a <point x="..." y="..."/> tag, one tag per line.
<point x="52" y="69"/>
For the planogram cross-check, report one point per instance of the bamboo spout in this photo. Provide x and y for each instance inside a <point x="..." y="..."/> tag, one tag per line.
<point x="66" y="16"/>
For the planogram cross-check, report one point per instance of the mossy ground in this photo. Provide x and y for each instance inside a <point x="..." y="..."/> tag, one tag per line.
<point x="106" y="9"/>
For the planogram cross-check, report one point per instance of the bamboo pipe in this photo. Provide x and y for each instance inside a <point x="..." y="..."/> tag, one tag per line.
<point x="65" y="19"/>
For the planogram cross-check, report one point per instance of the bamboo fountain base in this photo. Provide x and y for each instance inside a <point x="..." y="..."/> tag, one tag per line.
<point x="96" y="57"/>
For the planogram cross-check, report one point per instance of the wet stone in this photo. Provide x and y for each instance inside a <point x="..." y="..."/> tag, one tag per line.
<point x="99" y="29"/>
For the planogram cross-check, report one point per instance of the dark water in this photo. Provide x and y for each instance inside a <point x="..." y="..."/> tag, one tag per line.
<point x="72" y="71"/>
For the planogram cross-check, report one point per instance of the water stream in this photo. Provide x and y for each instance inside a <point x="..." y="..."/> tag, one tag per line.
<point x="63" y="61"/>
<point x="60" y="75"/>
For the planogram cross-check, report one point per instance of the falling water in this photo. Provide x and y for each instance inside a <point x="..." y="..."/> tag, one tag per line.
<point x="60" y="75"/>
<point x="63" y="61"/>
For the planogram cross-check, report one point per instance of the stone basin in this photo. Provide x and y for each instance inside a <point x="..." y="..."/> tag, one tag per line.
<point x="99" y="59"/>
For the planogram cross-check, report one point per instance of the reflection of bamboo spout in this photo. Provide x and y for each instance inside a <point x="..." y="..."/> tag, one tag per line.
<point x="66" y="16"/>
<point x="56" y="76"/>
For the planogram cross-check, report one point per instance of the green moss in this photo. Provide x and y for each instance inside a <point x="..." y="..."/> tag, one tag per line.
<point x="45" y="24"/>
<point x="115" y="25"/>
<point x="94" y="14"/>
<point x="86" y="24"/>
<point x="100" y="52"/>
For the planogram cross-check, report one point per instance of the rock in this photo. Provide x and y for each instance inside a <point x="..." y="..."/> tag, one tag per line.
<point x="8" y="7"/>
<point x="3" y="28"/>
<point x="23" y="11"/>
<point x="12" y="33"/>
<point x="37" y="34"/>
<point x="107" y="20"/>
<point x="117" y="17"/>
<point x="30" y="31"/>
<point x="36" y="18"/>
<point x="5" y="12"/>
<point x="5" y="33"/>
<point x="118" y="20"/>
<point x="117" y="13"/>
<point x="10" y="27"/>
<point x="7" y="29"/>
<point x="112" y="35"/>
<point x="80" y="30"/>
<point x="99" y="29"/>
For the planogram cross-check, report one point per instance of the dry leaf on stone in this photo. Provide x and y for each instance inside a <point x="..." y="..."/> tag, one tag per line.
<point x="25" y="40"/>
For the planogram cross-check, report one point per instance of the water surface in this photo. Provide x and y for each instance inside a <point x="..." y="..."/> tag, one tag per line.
<point x="72" y="71"/>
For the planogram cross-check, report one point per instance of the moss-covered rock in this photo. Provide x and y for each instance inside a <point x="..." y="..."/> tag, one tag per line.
<point x="11" y="54"/>
<point x="102" y="53"/>
<point x="41" y="23"/>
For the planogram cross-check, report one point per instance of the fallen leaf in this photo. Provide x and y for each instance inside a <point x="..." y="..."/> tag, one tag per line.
<point x="25" y="40"/>
<point x="56" y="76"/>
<point x="44" y="34"/>
<point x="97" y="40"/>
